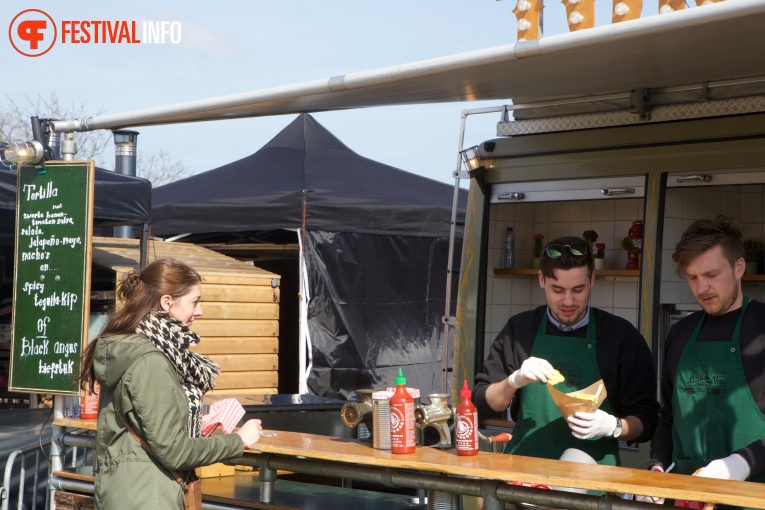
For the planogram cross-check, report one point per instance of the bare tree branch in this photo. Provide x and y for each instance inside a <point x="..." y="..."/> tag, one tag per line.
<point x="15" y="125"/>
<point x="160" y="168"/>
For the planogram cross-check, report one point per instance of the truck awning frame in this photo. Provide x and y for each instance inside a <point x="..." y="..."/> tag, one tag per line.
<point x="712" y="43"/>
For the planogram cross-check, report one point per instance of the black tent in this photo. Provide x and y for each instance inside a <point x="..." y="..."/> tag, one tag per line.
<point x="376" y="247"/>
<point x="118" y="199"/>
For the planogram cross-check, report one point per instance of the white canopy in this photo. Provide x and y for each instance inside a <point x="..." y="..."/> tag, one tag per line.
<point x="695" y="46"/>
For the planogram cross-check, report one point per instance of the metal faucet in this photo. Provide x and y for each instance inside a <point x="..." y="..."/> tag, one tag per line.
<point x="436" y="414"/>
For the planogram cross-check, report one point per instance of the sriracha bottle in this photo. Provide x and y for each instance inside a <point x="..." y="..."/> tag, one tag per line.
<point x="466" y="429"/>
<point x="401" y="418"/>
<point x="89" y="403"/>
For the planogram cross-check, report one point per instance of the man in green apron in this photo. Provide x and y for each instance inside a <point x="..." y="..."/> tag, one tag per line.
<point x="713" y="376"/>
<point x="586" y="345"/>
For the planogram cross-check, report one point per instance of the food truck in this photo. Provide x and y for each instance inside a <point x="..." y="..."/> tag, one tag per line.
<point x="653" y="178"/>
<point x="629" y="169"/>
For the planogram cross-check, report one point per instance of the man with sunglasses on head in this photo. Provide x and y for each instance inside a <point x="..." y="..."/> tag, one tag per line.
<point x="586" y="345"/>
<point x="712" y="420"/>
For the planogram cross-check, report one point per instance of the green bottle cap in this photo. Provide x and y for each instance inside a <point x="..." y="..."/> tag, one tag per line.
<point x="400" y="380"/>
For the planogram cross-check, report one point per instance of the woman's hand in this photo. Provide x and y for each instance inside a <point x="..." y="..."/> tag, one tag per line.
<point x="250" y="432"/>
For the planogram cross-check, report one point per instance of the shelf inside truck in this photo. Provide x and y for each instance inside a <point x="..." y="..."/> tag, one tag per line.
<point x="534" y="272"/>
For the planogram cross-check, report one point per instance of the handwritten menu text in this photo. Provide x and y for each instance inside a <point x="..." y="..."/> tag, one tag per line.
<point x="51" y="277"/>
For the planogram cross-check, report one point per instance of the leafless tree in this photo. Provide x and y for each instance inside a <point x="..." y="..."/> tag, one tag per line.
<point x="159" y="167"/>
<point x="15" y="124"/>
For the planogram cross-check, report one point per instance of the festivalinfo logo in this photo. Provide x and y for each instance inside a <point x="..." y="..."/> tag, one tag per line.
<point x="33" y="32"/>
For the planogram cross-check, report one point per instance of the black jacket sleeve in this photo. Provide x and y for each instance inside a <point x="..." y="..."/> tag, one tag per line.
<point x="508" y="352"/>
<point x="628" y="372"/>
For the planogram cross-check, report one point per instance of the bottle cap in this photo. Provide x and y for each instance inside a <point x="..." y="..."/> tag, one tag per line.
<point x="400" y="379"/>
<point x="465" y="392"/>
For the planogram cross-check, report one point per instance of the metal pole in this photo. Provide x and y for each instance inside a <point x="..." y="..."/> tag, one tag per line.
<point x="489" y="494"/>
<point x="71" y="484"/>
<point x="448" y="321"/>
<point x="68" y="147"/>
<point x="6" y="488"/>
<point x="36" y="477"/>
<point x="490" y="490"/>
<point x="267" y="477"/>
<point x="304" y="349"/>
<point x="125" y="143"/>
<point x="76" y="440"/>
<point x="56" y="464"/>
<point x="144" y="246"/>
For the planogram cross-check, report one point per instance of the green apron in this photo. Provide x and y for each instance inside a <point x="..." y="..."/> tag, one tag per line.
<point x="714" y="411"/>
<point x="540" y="430"/>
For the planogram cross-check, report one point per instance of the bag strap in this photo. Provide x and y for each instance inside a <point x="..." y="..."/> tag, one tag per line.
<point x="146" y="447"/>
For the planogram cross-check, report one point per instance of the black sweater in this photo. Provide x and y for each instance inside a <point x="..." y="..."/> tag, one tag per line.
<point x="624" y="361"/>
<point x="752" y="348"/>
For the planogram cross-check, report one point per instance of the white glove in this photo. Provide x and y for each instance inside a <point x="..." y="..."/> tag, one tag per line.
<point x="732" y="467"/>
<point x="533" y="369"/>
<point x="586" y="425"/>
<point x="652" y="499"/>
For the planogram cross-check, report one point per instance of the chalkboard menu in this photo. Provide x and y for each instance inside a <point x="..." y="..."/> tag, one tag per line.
<point x="54" y="215"/>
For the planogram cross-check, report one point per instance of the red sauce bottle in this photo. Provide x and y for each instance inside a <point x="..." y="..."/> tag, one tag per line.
<point x="89" y="404"/>
<point x="466" y="428"/>
<point x="402" y="438"/>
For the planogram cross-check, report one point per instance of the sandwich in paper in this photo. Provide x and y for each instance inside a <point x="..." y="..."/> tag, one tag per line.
<point x="587" y="399"/>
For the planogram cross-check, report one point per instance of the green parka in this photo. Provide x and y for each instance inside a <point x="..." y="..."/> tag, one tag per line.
<point x="135" y="374"/>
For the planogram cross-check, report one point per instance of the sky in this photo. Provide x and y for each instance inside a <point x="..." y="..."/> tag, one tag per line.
<point x="229" y="47"/>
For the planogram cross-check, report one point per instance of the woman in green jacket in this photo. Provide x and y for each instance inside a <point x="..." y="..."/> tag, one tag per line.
<point x="144" y="368"/>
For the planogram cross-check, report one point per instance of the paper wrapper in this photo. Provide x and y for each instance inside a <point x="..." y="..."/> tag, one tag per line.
<point x="569" y="405"/>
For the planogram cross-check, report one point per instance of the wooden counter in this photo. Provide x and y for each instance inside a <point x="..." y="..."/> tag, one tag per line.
<point x="76" y="423"/>
<point x="501" y="467"/>
<point x="498" y="466"/>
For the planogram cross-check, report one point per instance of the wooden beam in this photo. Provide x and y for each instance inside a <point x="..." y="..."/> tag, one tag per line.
<point x="242" y="380"/>
<point x="243" y="279"/>
<point x="246" y="362"/>
<point x="233" y="392"/>
<point x="231" y="293"/>
<point x="208" y="327"/>
<point x="218" y="310"/>
<point x="237" y="345"/>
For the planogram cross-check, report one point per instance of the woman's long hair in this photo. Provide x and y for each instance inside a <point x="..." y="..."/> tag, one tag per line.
<point x="140" y="294"/>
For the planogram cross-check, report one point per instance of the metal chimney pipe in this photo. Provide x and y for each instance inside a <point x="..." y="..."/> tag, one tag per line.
<point x="125" y="142"/>
<point x="55" y="144"/>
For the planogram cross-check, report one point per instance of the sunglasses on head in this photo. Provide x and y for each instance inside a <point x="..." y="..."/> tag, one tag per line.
<point x="556" y="250"/>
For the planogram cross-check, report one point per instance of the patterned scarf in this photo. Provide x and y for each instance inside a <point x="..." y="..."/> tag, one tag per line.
<point x="197" y="373"/>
